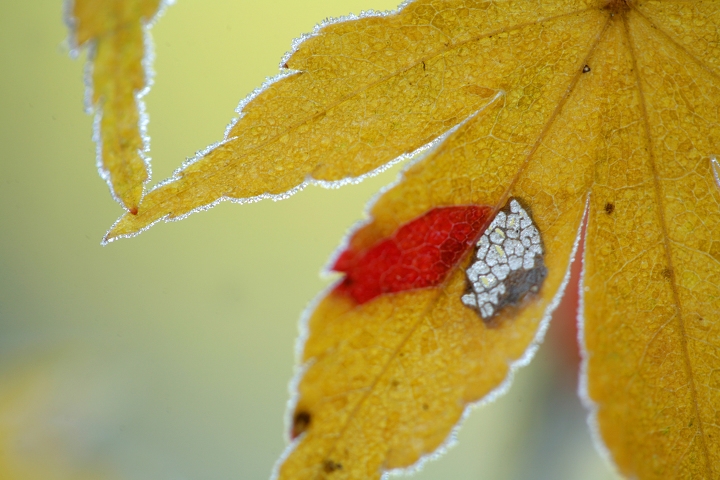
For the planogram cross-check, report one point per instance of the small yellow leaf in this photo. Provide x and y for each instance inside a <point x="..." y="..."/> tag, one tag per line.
<point x="115" y="30"/>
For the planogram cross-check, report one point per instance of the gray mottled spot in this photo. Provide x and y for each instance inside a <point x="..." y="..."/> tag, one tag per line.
<point x="510" y="248"/>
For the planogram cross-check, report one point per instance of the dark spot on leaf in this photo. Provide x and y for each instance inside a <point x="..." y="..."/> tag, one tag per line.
<point x="425" y="406"/>
<point x="617" y="6"/>
<point x="301" y="422"/>
<point x="395" y="383"/>
<point x="667" y="273"/>
<point x="134" y="211"/>
<point x="285" y="65"/>
<point x="423" y="64"/>
<point x="586" y="69"/>
<point x="609" y="208"/>
<point x="329" y="466"/>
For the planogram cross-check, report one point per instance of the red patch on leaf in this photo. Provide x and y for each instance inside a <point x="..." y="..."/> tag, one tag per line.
<point x="418" y="255"/>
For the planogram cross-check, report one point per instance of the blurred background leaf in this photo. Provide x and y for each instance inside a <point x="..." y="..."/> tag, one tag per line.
<point x="168" y="356"/>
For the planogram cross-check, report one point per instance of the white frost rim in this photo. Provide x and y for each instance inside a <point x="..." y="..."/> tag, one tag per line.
<point x="715" y="167"/>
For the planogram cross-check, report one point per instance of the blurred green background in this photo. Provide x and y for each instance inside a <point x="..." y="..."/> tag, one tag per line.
<point x="168" y="356"/>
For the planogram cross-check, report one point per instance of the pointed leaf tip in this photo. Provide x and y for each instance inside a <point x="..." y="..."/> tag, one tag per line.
<point x="115" y="32"/>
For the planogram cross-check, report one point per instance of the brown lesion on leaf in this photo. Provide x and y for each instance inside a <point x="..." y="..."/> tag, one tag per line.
<point x="586" y="69"/>
<point x="330" y="466"/>
<point x="667" y="273"/>
<point x="301" y="422"/>
<point x="609" y="208"/>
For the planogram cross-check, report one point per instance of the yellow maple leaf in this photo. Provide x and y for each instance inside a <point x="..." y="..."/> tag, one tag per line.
<point x="118" y="77"/>
<point x="575" y="109"/>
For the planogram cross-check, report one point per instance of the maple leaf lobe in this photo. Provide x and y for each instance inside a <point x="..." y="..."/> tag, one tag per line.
<point x="116" y="33"/>
<point x="441" y="355"/>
